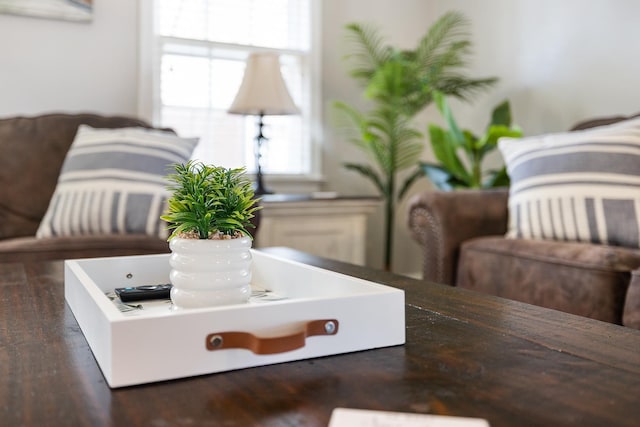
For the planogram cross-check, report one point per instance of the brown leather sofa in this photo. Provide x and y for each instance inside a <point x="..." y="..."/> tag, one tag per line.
<point x="32" y="151"/>
<point x="462" y="237"/>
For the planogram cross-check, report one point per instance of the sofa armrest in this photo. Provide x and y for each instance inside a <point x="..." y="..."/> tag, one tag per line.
<point x="33" y="249"/>
<point x="631" y="312"/>
<point x="441" y="221"/>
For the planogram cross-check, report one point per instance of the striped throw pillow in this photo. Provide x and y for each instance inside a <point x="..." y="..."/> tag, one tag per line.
<point x="579" y="186"/>
<point x="113" y="182"/>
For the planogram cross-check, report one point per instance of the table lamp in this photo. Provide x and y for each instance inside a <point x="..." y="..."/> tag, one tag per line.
<point x="263" y="92"/>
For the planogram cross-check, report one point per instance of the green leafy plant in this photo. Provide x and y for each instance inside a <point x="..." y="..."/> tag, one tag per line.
<point x="400" y="84"/>
<point x="209" y="202"/>
<point x="461" y="153"/>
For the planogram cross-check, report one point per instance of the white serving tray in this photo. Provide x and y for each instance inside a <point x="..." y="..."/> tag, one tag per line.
<point x="159" y="343"/>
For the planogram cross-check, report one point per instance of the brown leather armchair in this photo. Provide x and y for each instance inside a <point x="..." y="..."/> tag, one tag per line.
<point x="461" y="234"/>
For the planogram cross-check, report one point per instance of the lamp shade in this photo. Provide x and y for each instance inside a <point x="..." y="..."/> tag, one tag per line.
<point x="263" y="90"/>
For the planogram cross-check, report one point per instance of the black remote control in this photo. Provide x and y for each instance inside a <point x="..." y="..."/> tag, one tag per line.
<point x="144" y="292"/>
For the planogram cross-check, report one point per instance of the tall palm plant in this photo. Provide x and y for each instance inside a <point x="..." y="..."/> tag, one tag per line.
<point x="400" y="84"/>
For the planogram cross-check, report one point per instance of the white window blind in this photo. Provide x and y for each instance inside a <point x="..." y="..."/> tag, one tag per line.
<point x="201" y="49"/>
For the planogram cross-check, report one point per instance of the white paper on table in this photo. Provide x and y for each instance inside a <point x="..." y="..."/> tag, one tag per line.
<point x="344" y="417"/>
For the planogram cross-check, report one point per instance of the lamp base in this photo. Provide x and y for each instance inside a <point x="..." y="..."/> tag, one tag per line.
<point x="259" y="187"/>
<point x="259" y="191"/>
<point x="260" y="139"/>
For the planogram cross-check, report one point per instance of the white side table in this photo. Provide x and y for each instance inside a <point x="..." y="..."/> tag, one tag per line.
<point x="332" y="227"/>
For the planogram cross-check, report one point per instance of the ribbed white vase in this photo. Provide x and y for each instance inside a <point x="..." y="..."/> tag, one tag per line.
<point x="207" y="273"/>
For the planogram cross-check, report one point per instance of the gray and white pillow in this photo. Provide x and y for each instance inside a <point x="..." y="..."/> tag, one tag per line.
<point x="112" y="182"/>
<point x="579" y="186"/>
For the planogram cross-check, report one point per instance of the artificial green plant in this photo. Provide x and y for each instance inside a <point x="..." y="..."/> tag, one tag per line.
<point x="209" y="202"/>
<point x="461" y="153"/>
<point x="400" y="84"/>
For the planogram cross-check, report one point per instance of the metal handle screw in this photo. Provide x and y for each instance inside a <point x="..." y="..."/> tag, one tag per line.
<point x="216" y="341"/>
<point x="330" y="327"/>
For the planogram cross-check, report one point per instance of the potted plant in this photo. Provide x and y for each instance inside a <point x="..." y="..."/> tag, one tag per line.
<point x="400" y="84"/>
<point x="208" y="212"/>
<point x="461" y="153"/>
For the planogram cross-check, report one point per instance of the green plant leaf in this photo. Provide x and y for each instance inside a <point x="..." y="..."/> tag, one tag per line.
<point x="370" y="51"/>
<point x="368" y="172"/>
<point x="501" y="115"/>
<point x="450" y="27"/>
<point x="497" y="178"/>
<point x="207" y="199"/>
<point x="457" y="137"/>
<point x="441" y="55"/>
<point x="489" y="141"/>
<point x="408" y="155"/>
<point x="438" y="176"/>
<point x="409" y="181"/>
<point x="446" y="145"/>
<point x="445" y="151"/>
<point x="470" y="144"/>
<point x="461" y="87"/>
<point x="387" y="82"/>
<point x="442" y="178"/>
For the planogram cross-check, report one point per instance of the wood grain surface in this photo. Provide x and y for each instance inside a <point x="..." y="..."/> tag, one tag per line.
<point x="466" y="354"/>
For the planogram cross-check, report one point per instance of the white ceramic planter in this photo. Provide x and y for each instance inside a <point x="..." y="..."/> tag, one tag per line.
<point x="207" y="273"/>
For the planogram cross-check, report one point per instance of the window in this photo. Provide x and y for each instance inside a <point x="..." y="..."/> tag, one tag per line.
<point x="199" y="49"/>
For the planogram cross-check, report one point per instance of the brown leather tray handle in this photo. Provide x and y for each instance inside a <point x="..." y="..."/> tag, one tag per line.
<point x="271" y="345"/>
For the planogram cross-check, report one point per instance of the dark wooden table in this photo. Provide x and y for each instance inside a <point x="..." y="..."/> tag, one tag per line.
<point x="466" y="354"/>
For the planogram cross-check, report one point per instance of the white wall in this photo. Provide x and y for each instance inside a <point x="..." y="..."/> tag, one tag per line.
<point x="558" y="61"/>
<point x="52" y="65"/>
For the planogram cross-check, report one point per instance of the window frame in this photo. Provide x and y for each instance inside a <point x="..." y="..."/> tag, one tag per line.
<point x="149" y="57"/>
